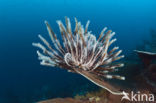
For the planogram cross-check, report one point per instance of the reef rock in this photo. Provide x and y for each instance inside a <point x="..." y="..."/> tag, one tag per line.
<point x="62" y="100"/>
<point x="152" y="72"/>
<point x="146" y="57"/>
<point x="110" y="99"/>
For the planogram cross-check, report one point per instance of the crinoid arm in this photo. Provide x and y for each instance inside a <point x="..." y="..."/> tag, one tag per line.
<point x="81" y="52"/>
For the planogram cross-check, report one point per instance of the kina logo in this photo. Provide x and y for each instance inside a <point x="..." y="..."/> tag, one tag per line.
<point x="125" y="96"/>
<point x="138" y="96"/>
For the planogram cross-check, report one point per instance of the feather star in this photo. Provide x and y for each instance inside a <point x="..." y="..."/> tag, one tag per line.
<point x="81" y="52"/>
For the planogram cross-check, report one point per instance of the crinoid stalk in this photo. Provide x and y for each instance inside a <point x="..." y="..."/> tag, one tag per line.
<point x="81" y="52"/>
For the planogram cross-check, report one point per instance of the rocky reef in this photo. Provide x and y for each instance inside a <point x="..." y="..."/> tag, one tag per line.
<point x="101" y="96"/>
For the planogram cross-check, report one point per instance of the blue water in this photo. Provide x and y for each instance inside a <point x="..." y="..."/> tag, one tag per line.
<point x="22" y="79"/>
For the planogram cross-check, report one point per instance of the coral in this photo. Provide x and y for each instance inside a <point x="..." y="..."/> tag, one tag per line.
<point x="100" y="96"/>
<point x="100" y="93"/>
<point x="146" y="57"/>
<point x="82" y="53"/>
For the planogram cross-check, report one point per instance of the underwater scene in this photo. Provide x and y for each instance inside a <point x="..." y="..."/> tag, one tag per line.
<point x="77" y="51"/>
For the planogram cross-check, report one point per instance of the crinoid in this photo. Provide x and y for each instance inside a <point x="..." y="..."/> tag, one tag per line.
<point x="81" y="52"/>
